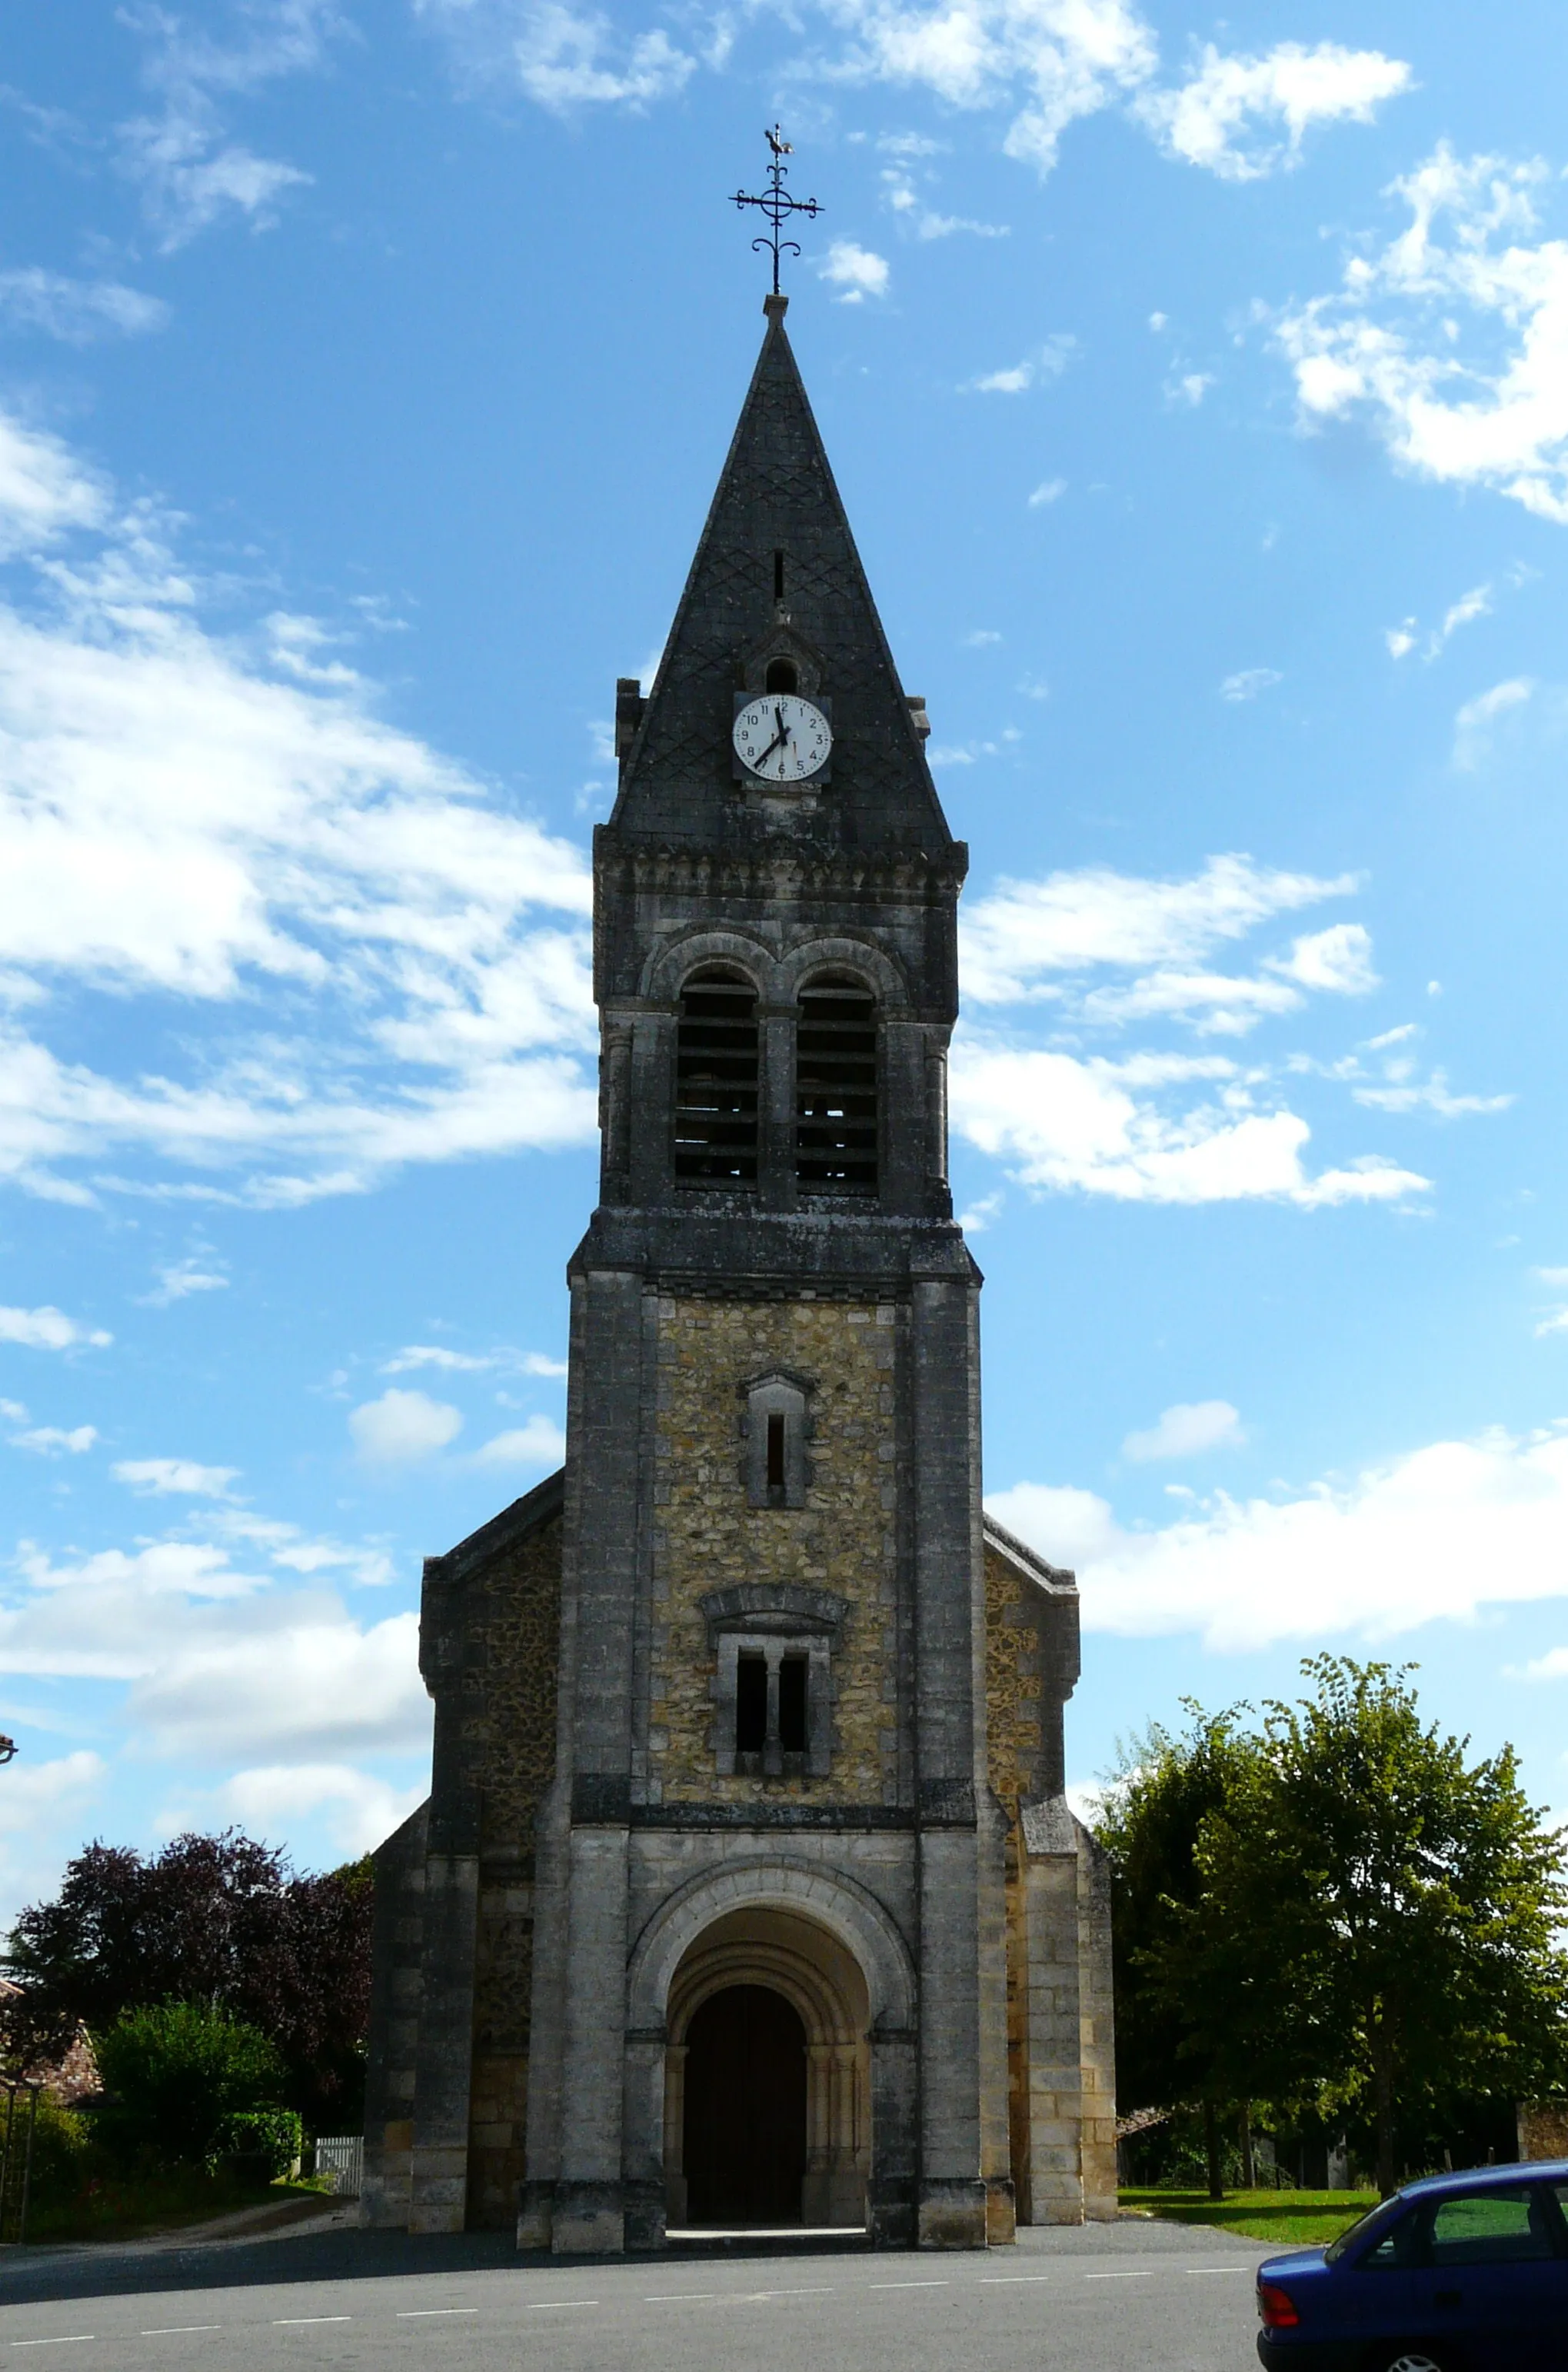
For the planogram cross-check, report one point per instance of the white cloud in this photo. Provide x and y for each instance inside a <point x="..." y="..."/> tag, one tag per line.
<point x="1474" y="724"/>
<point x="563" y="58"/>
<point x="159" y="1476"/>
<point x="179" y="1279"/>
<point x="1338" y="960"/>
<point x="539" y="1442"/>
<point x="191" y="173"/>
<point x="48" y="1329"/>
<point x="981" y="638"/>
<point x="175" y="819"/>
<point x="401" y="1427"/>
<point x="855" y="272"/>
<point x="52" y="1440"/>
<point x="1245" y="117"/>
<point x="414" y="1355"/>
<point x="359" y="1810"/>
<point x="44" y="490"/>
<point x="1437" y="1533"/>
<point x="1072" y="921"/>
<point x="36" y="1792"/>
<point x="1064" y="1124"/>
<point x="1250" y="682"/>
<point x="1050" y="490"/>
<point x="1395" y="1085"/>
<point x="1053" y="61"/>
<point x="1476" y="603"/>
<point x="1453" y="341"/>
<point x="217" y="1661"/>
<point x="1185" y="1430"/>
<point x="1192" y="388"/>
<point x="76" y="311"/>
<point x="1045" y="363"/>
<point x="1552" y="1666"/>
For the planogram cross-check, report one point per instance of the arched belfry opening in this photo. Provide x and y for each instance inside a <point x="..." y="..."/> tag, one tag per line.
<point x="836" y="1121"/>
<point x="767" y="2078"/>
<point x="715" y="1085"/>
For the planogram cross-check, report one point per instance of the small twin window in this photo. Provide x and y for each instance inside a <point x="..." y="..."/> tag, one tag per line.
<point x="764" y="1718"/>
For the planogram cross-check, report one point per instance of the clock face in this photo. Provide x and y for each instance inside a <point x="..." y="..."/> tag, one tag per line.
<point x="780" y="738"/>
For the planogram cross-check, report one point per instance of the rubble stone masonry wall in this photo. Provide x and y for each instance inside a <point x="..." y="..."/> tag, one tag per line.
<point x="843" y="1540"/>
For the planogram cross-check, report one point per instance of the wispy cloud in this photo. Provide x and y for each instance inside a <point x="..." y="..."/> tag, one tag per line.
<point x="76" y="311"/>
<point x="563" y="58"/>
<point x="192" y="172"/>
<point x="181" y="1477"/>
<point x="1043" y="364"/>
<point x="1248" y="682"/>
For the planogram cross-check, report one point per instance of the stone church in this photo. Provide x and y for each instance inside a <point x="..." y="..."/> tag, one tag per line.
<point x="747" y="1893"/>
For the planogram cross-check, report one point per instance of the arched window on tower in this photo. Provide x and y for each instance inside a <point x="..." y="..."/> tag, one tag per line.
<point x="835" y="1087"/>
<point x="715" y="1088"/>
<point x="783" y="676"/>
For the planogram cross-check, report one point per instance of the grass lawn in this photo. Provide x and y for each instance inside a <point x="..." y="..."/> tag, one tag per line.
<point x="1290" y="2219"/>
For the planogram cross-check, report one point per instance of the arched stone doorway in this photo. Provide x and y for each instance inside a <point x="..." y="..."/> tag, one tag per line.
<point x="767" y="2076"/>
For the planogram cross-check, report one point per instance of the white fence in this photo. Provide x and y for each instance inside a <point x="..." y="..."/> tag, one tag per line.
<point x="343" y="2157"/>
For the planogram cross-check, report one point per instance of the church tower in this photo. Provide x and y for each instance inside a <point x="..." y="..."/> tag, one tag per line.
<point x="747" y="1892"/>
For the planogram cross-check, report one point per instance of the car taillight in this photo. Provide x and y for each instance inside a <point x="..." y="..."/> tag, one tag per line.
<point x="1276" y="2307"/>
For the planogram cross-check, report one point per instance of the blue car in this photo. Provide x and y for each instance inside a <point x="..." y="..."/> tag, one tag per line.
<point x="1462" y="2273"/>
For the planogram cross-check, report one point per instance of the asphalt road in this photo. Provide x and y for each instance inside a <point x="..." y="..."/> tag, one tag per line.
<point x="1133" y="2298"/>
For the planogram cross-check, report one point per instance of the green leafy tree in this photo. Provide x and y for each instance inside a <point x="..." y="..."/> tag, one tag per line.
<point x="176" y="2075"/>
<point x="1174" y="2042"/>
<point x="221" y="1919"/>
<point x="1382" y="1915"/>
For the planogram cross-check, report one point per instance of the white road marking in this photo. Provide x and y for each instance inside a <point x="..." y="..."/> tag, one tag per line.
<point x="293" y="2321"/>
<point x="421" y="2313"/>
<point x="175" y="2330"/>
<point x="1144" y="2273"/>
<point x="908" y="2285"/>
<point x="995" y="2281"/>
<point x="554" y="2306"/>
<point x="1197" y="2272"/>
<point x="677" y="2298"/>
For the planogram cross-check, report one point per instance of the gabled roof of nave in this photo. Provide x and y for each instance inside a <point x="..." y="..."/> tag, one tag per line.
<point x="776" y="493"/>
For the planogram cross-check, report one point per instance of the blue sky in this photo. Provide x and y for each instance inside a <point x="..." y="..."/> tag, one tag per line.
<point x="1199" y="391"/>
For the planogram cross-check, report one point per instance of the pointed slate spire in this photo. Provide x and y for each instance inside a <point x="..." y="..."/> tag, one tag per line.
<point x="776" y="521"/>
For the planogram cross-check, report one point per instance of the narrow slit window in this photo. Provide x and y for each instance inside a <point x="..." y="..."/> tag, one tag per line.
<point x="775" y="1453"/>
<point x="792" y="1705"/>
<point x="715" y="1092"/>
<point x="778" y="577"/>
<point x="751" y="1705"/>
<point x="835" y="1126"/>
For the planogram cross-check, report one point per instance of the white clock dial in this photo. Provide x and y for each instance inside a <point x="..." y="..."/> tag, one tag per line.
<point x="780" y="738"/>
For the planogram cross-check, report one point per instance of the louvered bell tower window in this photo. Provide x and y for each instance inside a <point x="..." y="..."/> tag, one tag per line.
<point x="835" y="1076"/>
<point x="716" y="1091"/>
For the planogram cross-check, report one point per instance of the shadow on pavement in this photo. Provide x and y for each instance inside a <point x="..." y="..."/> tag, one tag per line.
<point x="104" y="2270"/>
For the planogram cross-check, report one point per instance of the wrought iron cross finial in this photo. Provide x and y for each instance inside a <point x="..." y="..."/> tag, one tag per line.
<point x="777" y="205"/>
